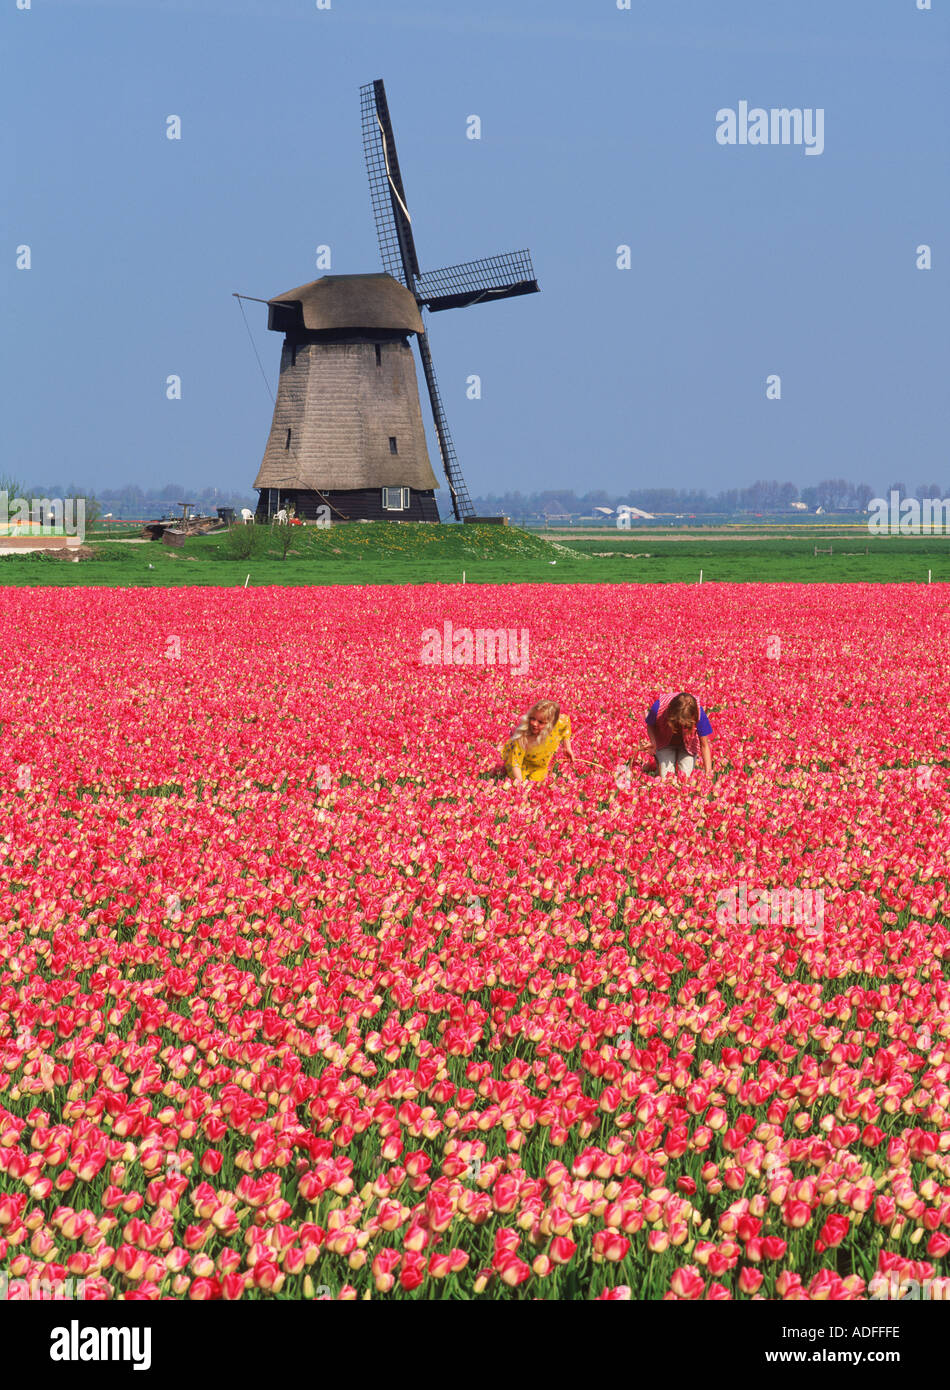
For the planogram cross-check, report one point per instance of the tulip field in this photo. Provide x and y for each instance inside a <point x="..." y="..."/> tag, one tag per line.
<point x="298" y="1001"/>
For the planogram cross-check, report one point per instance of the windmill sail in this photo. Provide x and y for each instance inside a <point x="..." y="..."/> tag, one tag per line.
<point x="461" y="502"/>
<point x="496" y="277"/>
<point x="453" y="287"/>
<point x="393" y="223"/>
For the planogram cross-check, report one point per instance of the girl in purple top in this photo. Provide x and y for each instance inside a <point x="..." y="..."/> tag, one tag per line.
<point x="679" y="731"/>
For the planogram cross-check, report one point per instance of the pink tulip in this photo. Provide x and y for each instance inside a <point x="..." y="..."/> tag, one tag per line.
<point x="513" y="1271"/>
<point x="381" y="993"/>
<point x="750" y="1280"/>
<point x="562" y="1250"/>
<point x="687" y="1282"/>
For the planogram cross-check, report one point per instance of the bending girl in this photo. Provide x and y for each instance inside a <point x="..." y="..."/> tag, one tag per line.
<point x="679" y="730"/>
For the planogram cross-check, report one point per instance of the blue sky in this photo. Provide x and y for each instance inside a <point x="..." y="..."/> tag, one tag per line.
<point x="598" y="130"/>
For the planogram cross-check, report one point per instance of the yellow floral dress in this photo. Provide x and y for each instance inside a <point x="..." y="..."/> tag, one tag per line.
<point x="534" y="762"/>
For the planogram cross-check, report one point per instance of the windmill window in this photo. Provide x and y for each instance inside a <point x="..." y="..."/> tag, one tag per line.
<point x="287" y="444"/>
<point x="379" y="355"/>
<point x="392" y="444"/>
<point x="395" y="499"/>
<point x="293" y="355"/>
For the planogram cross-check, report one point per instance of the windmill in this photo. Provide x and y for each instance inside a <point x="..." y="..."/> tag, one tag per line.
<point x="347" y="439"/>
<point x="453" y="287"/>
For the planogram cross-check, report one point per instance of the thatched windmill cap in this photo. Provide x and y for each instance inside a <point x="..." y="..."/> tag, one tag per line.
<point x="354" y="301"/>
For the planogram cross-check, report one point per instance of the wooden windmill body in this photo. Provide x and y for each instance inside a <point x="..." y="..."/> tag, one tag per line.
<point x="347" y="440"/>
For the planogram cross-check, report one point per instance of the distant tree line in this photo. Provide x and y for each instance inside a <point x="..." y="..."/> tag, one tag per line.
<point x="133" y="501"/>
<point x="833" y="494"/>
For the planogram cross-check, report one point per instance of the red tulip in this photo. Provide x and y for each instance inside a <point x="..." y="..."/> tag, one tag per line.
<point x="413" y="1271"/>
<point x="834" y="1230"/>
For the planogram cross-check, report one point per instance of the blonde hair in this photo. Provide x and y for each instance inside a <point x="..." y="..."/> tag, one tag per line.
<point x="548" y="710"/>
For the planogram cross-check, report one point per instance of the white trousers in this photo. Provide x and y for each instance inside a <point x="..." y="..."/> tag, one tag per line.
<point x="667" y="760"/>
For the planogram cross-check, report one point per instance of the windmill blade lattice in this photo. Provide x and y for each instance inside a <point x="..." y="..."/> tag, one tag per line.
<point x="390" y="210"/>
<point x="461" y="502"/>
<point x="495" y="277"/>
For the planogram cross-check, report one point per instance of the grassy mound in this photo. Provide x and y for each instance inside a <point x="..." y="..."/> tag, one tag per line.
<point x="352" y="553"/>
<point x="405" y="542"/>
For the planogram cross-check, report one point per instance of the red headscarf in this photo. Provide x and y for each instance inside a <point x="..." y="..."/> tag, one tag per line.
<point x="665" y="733"/>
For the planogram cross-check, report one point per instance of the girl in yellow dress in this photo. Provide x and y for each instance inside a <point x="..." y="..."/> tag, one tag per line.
<point x="533" y="742"/>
